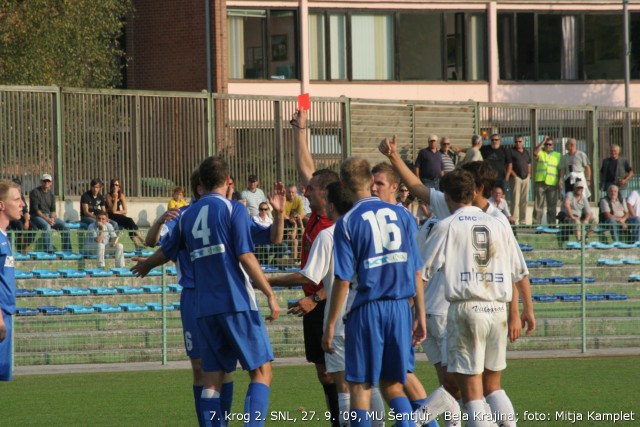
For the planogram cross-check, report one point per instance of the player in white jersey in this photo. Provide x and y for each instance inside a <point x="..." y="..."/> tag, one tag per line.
<point x="478" y="275"/>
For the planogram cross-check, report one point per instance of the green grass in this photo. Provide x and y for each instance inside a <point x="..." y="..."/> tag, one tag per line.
<point x="164" y="397"/>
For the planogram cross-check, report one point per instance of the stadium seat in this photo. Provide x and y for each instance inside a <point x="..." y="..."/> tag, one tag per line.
<point x="132" y="307"/>
<point x="152" y="289"/>
<point x="98" y="272"/>
<point x="75" y="291"/>
<point x="539" y="280"/>
<point x="43" y="256"/>
<point x="129" y="290"/>
<point x="634" y="278"/>
<point x="547" y="298"/>
<point x="107" y="308"/>
<point x="74" y="225"/>
<point x="568" y="297"/>
<point x="19" y="274"/>
<point x="622" y="245"/>
<point x="594" y="297"/>
<point x="171" y="271"/>
<point x="101" y="290"/>
<point x="51" y="310"/>
<point x="607" y="261"/>
<point x="562" y="280"/>
<point x="548" y="262"/>
<point x="176" y="305"/>
<point x="269" y="269"/>
<point x="144" y="252"/>
<point x="157" y="306"/>
<point x="174" y="287"/>
<point x="69" y="256"/>
<point x="630" y="261"/>
<point x="23" y="311"/>
<point x="25" y="293"/>
<point x="79" y="309"/>
<point x="525" y="248"/>
<point x="45" y="274"/>
<point x="47" y="292"/>
<point x="533" y="264"/>
<point x="122" y="272"/>
<point x="154" y="272"/>
<point x="21" y="257"/>
<point x="542" y="229"/>
<point x="71" y="273"/>
<point x="129" y="254"/>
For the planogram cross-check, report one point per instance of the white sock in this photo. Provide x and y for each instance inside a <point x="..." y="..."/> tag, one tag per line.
<point x="502" y="409"/>
<point x="210" y="394"/>
<point x="377" y="406"/>
<point x="454" y="415"/>
<point x="437" y="402"/>
<point x="345" y="406"/>
<point x="477" y="414"/>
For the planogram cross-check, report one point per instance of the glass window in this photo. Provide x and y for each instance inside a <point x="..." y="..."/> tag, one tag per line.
<point x="603" y="47"/>
<point x="476" y="53"/>
<point x="634" y="34"/>
<point x="317" y="63"/>
<point x="420" y="46"/>
<point x="525" y="47"/>
<point x="338" y="46"/>
<point x="372" y="56"/>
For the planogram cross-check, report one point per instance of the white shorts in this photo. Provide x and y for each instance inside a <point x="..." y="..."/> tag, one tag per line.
<point x="335" y="361"/>
<point x="476" y="337"/>
<point x="435" y="344"/>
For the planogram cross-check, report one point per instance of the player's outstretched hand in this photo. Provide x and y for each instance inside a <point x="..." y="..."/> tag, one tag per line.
<point x="278" y="198"/>
<point x="141" y="269"/>
<point x="169" y="215"/>
<point x="274" y="307"/>
<point x="299" y="119"/>
<point x="419" y="331"/>
<point x="529" y="320"/>
<point x="327" y="339"/>
<point x="388" y="147"/>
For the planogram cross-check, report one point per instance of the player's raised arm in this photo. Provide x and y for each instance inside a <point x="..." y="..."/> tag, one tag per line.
<point x="303" y="159"/>
<point x="253" y="270"/>
<point x="389" y="148"/>
<point x="277" y="201"/>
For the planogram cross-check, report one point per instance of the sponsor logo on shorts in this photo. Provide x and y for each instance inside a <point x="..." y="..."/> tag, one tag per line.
<point x="488" y="309"/>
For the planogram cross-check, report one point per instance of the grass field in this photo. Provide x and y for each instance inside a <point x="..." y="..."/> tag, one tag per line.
<point x="551" y="389"/>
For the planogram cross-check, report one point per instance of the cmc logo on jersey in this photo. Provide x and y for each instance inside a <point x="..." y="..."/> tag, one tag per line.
<point x="480" y="276"/>
<point x="467" y="218"/>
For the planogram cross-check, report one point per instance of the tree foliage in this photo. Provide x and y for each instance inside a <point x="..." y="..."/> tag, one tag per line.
<point x="62" y="42"/>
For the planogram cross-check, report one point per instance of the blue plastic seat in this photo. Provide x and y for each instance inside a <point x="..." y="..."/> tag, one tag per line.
<point x="129" y="290"/>
<point x="21" y="257"/>
<point x="75" y="291"/>
<point x="176" y="305"/>
<point x="630" y="261"/>
<point x="533" y="264"/>
<point x="107" y="308"/>
<point x="22" y="293"/>
<point x="69" y="256"/>
<point x="19" y="274"/>
<point x="174" y="287"/>
<point x="98" y="272"/>
<point x="79" y="309"/>
<point x="132" y="307"/>
<point x="547" y="298"/>
<point x="45" y="274"/>
<point x="23" y="311"/>
<point x="101" y="290"/>
<point x="539" y="280"/>
<point x="71" y="273"/>
<point x="47" y="292"/>
<point x="152" y="289"/>
<point x="49" y="310"/>
<point x="594" y="297"/>
<point x="171" y="271"/>
<point x="157" y="306"/>
<point x="154" y="272"/>
<point x="122" y="272"/>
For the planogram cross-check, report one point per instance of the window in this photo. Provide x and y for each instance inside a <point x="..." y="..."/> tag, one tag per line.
<point x="263" y="44"/>
<point x="402" y="46"/>
<point x="545" y="46"/>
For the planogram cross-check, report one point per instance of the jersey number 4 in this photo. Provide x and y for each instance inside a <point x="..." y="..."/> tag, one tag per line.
<point x="385" y="234"/>
<point x="200" y="228"/>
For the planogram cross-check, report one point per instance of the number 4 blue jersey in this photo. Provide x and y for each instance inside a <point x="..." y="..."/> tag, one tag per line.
<point x="375" y="243"/>
<point x="216" y="231"/>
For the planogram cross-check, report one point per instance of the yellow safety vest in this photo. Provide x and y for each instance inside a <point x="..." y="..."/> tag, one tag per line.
<point x="547" y="167"/>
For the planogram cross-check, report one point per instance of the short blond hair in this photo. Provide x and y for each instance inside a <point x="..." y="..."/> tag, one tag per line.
<point x="5" y="187"/>
<point x="355" y="172"/>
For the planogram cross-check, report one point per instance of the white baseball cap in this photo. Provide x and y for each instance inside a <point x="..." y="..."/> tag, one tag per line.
<point x="46" y="177"/>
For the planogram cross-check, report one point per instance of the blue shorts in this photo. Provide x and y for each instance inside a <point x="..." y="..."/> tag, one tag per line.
<point x="229" y="338"/>
<point x="5" y="350"/>
<point x="378" y="342"/>
<point x="190" y="329"/>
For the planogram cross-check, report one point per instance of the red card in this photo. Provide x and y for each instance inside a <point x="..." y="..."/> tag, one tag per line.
<point x="304" y="103"/>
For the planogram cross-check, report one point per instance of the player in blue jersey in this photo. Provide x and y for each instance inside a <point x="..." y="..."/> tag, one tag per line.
<point x="11" y="205"/>
<point x="375" y="241"/>
<point x="215" y="232"/>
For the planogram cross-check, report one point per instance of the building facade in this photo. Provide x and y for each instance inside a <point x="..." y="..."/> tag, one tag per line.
<point x="544" y="52"/>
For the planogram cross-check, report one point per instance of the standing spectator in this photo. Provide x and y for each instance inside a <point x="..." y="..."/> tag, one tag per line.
<point x="177" y="201"/>
<point x="449" y="157"/>
<point x="42" y="208"/>
<point x="252" y="195"/>
<point x="546" y="181"/>
<point x="379" y="329"/>
<point x="429" y="164"/>
<point x="102" y="238"/>
<point x="614" y="213"/>
<point x="293" y="214"/>
<point x="22" y="225"/>
<point x="519" y="180"/>
<point x="575" y="210"/>
<point x="499" y="158"/>
<point x="633" y="205"/>
<point x="615" y="170"/>
<point x="472" y="154"/>
<point x="117" y="207"/>
<point x="91" y="202"/>
<point x="574" y="165"/>
<point x="11" y="205"/>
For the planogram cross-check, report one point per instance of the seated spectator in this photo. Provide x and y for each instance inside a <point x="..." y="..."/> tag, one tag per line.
<point x="305" y="203"/>
<point x="615" y="214"/>
<point x="633" y="206"/>
<point x="293" y="214"/>
<point x="263" y="219"/>
<point x="252" y="195"/>
<point x="22" y="225"/>
<point x="498" y="200"/>
<point x="177" y="201"/>
<point x="405" y="199"/>
<point x="117" y="208"/>
<point x="575" y="210"/>
<point x="102" y="238"/>
<point x="42" y="210"/>
<point x="92" y="201"/>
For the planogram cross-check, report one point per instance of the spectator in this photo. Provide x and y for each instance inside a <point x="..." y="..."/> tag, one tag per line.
<point x="12" y="205"/>
<point x="574" y="165"/>
<point x="406" y="200"/>
<point x="546" y="181"/>
<point x="449" y="157"/>
<point x="305" y="203"/>
<point x="117" y="207"/>
<point x="429" y="164"/>
<point x="293" y="214"/>
<point x="615" y="214"/>
<point x="615" y="170"/>
<point x="519" y="180"/>
<point x="92" y="201"/>
<point x="232" y="194"/>
<point x="499" y="158"/>
<point x="252" y="195"/>
<point x="102" y="238"/>
<point x="42" y="209"/>
<point x="263" y="219"/>
<point x="472" y="154"/>
<point x="177" y="201"/>
<point x="497" y="199"/>
<point x="575" y="210"/>
<point x="22" y="225"/>
<point x="633" y="205"/>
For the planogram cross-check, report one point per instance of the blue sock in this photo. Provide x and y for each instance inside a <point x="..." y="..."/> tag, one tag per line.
<point x="256" y="404"/>
<point x="226" y="398"/>
<point x="415" y="404"/>
<point x="210" y="407"/>
<point x="401" y="405"/>
<point x="197" y="392"/>
<point x="362" y="418"/>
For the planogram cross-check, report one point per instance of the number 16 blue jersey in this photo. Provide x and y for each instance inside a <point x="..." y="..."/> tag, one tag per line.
<point x="374" y="242"/>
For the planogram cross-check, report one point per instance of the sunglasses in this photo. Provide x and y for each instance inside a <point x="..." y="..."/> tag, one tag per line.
<point x="264" y="209"/>
<point x="404" y="191"/>
<point x="549" y="145"/>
